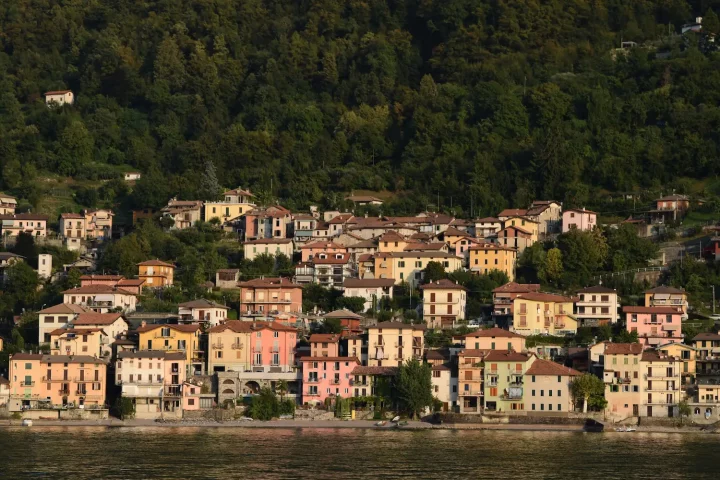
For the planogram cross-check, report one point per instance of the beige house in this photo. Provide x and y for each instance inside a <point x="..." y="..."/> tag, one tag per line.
<point x="227" y="278"/>
<point x="470" y="380"/>
<point x="72" y="225"/>
<point x="407" y="267"/>
<point x="548" y="214"/>
<point x="661" y="386"/>
<point x="184" y="213"/>
<point x="622" y="376"/>
<point x="11" y="225"/>
<point x="543" y="313"/>
<point x="101" y="298"/>
<point x="269" y="246"/>
<point x="113" y="324"/>
<point x="667" y="297"/>
<point x="202" y="311"/>
<point x="77" y="341"/>
<point x="547" y="387"/>
<point x="487" y="227"/>
<point x="57" y="316"/>
<point x="59" y="98"/>
<point x="98" y="223"/>
<point x="444" y="303"/>
<point x="596" y="306"/>
<point x="373" y="290"/>
<point x="392" y="343"/>
<point x="8" y="204"/>
<point x="494" y="339"/>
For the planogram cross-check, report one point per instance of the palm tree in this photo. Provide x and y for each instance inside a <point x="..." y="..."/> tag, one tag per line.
<point x="282" y="389"/>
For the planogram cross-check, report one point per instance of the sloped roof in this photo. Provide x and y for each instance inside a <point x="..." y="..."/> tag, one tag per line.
<point x="324" y="338"/>
<point x="443" y="284"/>
<point x="658" y="310"/>
<point x="664" y="289"/>
<point x="275" y="282"/>
<point x="546" y="367"/>
<point x="366" y="370"/>
<point x="102" y="277"/>
<point x="343" y="313"/>
<point x="97" y="289"/>
<point x="544" y="297"/>
<point x="455" y="232"/>
<point x="179" y="328"/>
<point x="597" y="289"/>
<point x="202" y="303"/>
<point x="506" y="356"/>
<point x="69" y="308"/>
<point x="97" y="318"/>
<point x="368" y="282"/>
<point x="513" y="287"/>
<point x="151" y="354"/>
<point x="623" y="348"/>
<point x="512" y="212"/>
<point x="398" y="325"/>
<point x="706" y="336"/>
<point x="494" y="332"/>
<point x="322" y="244"/>
<point x="155" y="263"/>
<point x="269" y="241"/>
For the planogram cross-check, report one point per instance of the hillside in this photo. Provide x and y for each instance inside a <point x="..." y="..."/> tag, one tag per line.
<point x="481" y="104"/>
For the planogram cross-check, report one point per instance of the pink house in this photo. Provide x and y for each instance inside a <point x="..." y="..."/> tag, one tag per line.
<point x="267" y="295"/>
<point x="267" y="222"/>
<point x="311" y="250"/>
<point x="654" y="325"/>
<point x="324" y="377"/>
<point x="325" y="345"/>
<point x="272" y="346"/>
<point x="578" y="218"/>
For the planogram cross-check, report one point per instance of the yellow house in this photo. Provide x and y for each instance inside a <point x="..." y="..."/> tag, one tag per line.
<point x="547" y="387"/>
<point x="392" y="242"/>
<point x="408" y="266"/>
<point x="236" y="202"/>
<point x="526" y="224"/>
<point x="453" y="235"/>
<point x="470" y="380"/>
<point x="174" y="338"/>
<point x="79" y="341"/>
<point x="543" y="313"/>
<point x="504" y="374"/>
<point x="667" y="297"/>
<point x="156" y="273"/>
<point x="494" y="339"/>
<point x="687" y="357"/>
<point x="390" y="344"/>
<point x="230" y="346"/>
<point x="489" y="256"/>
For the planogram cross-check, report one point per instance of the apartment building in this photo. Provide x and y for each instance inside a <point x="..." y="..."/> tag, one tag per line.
<point x="101" y="298"/>
<point x="183" y="213"/>
<point x="622" y="374"/>
<point x="547" y="387"/>
<point x="488" y="257"/>
<point x="543" y="313"/>
<point x="325" y="377"/>
<point x="75" y="341"/>
<point x="57" y="316"/>
<point x="504" y="379"/>
<point x="654" y="325"/>
<point x="494" y="339"/>
<point x="372" y="290"/>
<point x="11" y="225"/>
<point x="581" y="219"/>
<point x="236" y="202"/>
<point x="171" y="338"/>
<point x="202" y="311"/>
<point x="156" y="273"/>
<point x="444" y="303"/>
<point x="667" y="297"/>
<point x="268" y="246"/>
<point x="393" y="343"/>
<point x="407" y="267"/>
<point x="267" y="295"/>
<point x="596" y="306"/>
<point x="470" y="380"/>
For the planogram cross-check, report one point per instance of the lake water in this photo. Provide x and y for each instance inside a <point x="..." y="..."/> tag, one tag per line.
<point x="202" y="453"/>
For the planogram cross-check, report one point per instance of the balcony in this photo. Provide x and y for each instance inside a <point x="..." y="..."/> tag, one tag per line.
<point x="516" y="395"/>
<point x="335" y="381"/>
<point x="237" y="346"/>
<point x="659" y="376"/>
<point x="312" y="380"/>
<point x="27" y="384"/>
<point x="63" y="392"/>
<point x="218" y="346"/>
<point x="173" y="391"/>
<point x="471" y="393"/>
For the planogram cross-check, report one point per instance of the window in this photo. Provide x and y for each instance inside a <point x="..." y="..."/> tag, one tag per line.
<point x="542" y="393"/>
<point x="533" y="393"/>
<point x="533" y="406"/>
<point x="276" y="334"/>
<point x="559" y="407"/>
<point x="559" y="394"/>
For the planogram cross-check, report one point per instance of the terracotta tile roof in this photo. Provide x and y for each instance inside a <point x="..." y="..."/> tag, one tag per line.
<point x="269" y="283"/>
<point x="474" y="352"/>
<point x="202" y="303"/>
<point x="343" y="313"/>
<point x="27" y="356"/>
<point x="269" y="241"/>
<point x="97" y="289"/>
<point x="9" y="255"/>
<point x="544" y="297"/>
<point x="623" y="348"/>
<point x="580" y="210"/>
<point x="239" y="191"/>
<point x="81" y="331"/>
<point x="512" y="287"/>
<point x="96" y="318"/>
<point x="131" y="282"/>
<point x="240" y="326"/>
<point x="4" y="381"/>
<point x="342" y="218"/>
<point x="74" y="216"/>
<point x="24" y="216"/>
<point x="68" y="308"/>
<point x="425" y="247"/>
<point x="597" y="289"/>
<point x="179" y="328"/>
<point x="440" y="368"/>
<point x="57" y="92"/>
<point x="331" y="259"/>
<point x="492" y="246"/>
<point x="365" y="257"/>
<point x="655" y="356"/>
<point x="364" y="244"/>
<point x="434" y="355"/>
<point x="488" y="220"/>
<point x="443" y="284"/>
<point x="391" y="236"/>
<point x="657" y="310"/>
<point x="513" y="227"/>
<point x="420" y="236"/>
<point x="72" y="359"/>
<point x="228" y="270"/>
<point x="363" y="198"/>
<point x="151" y="354"/>
<point x="494" y="332"/>
<point x="455" y="232"/>
<point x="506" y="356"/>
<point x="366" y="370"/>
<point x="325" y="338"/>
<point x="512" y="212"/>
<point x="368" y="282"/>
<point x="545" y="367"/>
<point x="423" y="254"/>
<point x="664" y="289"/>
<point x="706" y="336"/>
<point x="398" y="325"/>
<point x="322" y="244"/>
<point x="109" y="278"/>
<point x="155" y="263"/>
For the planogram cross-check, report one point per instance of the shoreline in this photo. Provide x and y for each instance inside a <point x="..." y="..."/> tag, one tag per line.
<point x="338" y="424"/>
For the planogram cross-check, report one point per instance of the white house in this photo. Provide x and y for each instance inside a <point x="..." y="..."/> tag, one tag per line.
<point x="57" y="316"/>
<point x="59" y="97"/>
<point x="113" y="324"/>
<point x="132" y="176"/>
<point x="270" y="246"/>
<point x="101" y="298"/>
<point x="373" y="290"/>
<point x="202" y="310"/>
<point x="578" y="218"/>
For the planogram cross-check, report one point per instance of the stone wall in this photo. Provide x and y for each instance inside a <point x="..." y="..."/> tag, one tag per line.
<point x="216" y="414"/>
<point x="312" y="414"/>
<point x="521" y="419"/>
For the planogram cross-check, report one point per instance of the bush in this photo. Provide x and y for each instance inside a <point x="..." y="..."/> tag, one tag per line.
<point x="287" y="407"/>
<point x="123" y="408"/>
<point x="265" y="406"/>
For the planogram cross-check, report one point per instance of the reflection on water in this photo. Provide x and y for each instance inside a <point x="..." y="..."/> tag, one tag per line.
<point x="200" y="453"/>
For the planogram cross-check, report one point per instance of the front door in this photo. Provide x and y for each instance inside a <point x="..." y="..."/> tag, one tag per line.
<point x="649" y="411"/>
<point x="636" y="410"/>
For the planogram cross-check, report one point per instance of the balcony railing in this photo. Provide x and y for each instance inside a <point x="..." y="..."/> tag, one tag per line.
<point x="27" y="384"/>
<point x="659" y="376"/>
<point x="63" y="392"/>
<point x="471" y="393"/>
<point x="237" y="346"/>
<point x="218" y="345"/>
<point x="312" y="380"/>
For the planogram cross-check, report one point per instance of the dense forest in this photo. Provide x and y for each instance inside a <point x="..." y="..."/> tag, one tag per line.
<point x="480" y="104"/>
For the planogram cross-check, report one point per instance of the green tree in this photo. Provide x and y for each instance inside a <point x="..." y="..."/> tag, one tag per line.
<point x="22" y="284"/>
<point x="710" y="22"/>
<point x="282" y="388"/>
<point x="209" y="186"/>
<point x="551" y="269"/>
<point x="414" y="387"/>
<point x="626" y="337"/>
<point x="586" y="386"/>
<point x="434" y="271"/>
<point x="684" y="410"/>
<point x="264" y="405"/>
<point x="354" y="304"/>
<point x="124" y="408"/>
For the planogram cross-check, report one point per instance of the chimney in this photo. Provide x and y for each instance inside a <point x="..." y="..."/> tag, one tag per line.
<point x="143" y="323"/>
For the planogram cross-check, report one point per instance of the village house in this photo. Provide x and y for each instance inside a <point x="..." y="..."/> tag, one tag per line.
<point x="515" y="237"/>
<point x="171" y="338"/>
<point x="443" y="303"/>
<point x="364" y="200"/>
<point x="72" y="227"/>
<point x="351" y="325"/>
<point x="368" y="228"/>
<point x="31" y="223"/>
<point x="195" y="397"/>
<point x="686" y="356"/>
<point x="252" y="347"/>
<point x="337" y="224"/>
<point x="470" y="380"/>
<point x="57" y="316"/>
<point x="268" y="246"/>
<point x="326" y="269"/>
<point x="98" y="223"/>
<point x="324" y="345"/>
<point x="621" y="371"/>
<point x="313" y="249"/>
<point x="596" y="306"/>
<point x="452" y="235"/>
<point x="112" y="324"/>
<point x="548" y="214"/>
<point x="494" y="339"/>
<point x="265" y="223"/>
<point x="373" y="290"/>
<point x="101" y="298"/>
<point x="184" y="213"/>
<point x="487" y="227"/>
<point x="132" y="285"/>
<point x="303" y="227"/>
<point x="38" y="380"/>
<point x="669" y="209"/>
<point x="543" y="313"/>
<point x="503" y="297"/>
<point x="488" y="257"/>
<point x="142" y="214"/>
<point x="584" y="220"/>
<point x="156" y="273"/>
<point x="58" y="98"/>
<point x="525" y="224"/>
<point x="667" y="297"/>
<point x="79" y="341"/>
<point x="510" y="213"/>
<point x="358" y="248"/>
<point x="265" y="295"/>
<point x="547" y="387"/>
<point x="654" y="325"/>
<point x="707" y="369"/>
<point x="153" y="380"/>
<point x="373" y="381"/>
<point x="660" y="390"/>
<point x="227" y="278"/>
<point x="235" y="203"/>
<point x="443" y="384"/>
<point x="504" y="378"/>
<point x="393" y="343"/>
<point x="407" y="267"/>
<point x="202" y="311"/>
<point x="325" y="373"/>
<point x="8" y="204"/>
<point x="132" y="176"/>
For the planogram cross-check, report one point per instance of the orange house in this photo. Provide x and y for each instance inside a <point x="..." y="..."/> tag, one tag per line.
<point x="156" y="273"/>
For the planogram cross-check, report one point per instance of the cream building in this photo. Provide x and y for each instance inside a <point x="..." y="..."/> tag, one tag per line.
<point x="444" y="303"/>
<point x="407" y="267"/>
<point x="202" y="310"/>
<point x="57" y="316"/>
<point x="236" y="202"/>
<point x="622" y="374"/>
<point x="494" y="339"/>
<point x="488" y="257"/>
<point x="596" y="306"/>
<point x="390" y="344"/>
<point x="547" y="387"/>
<point x="543" y="313"/>
<point x="77" y="341"/>
<point x="268" y="246"/>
